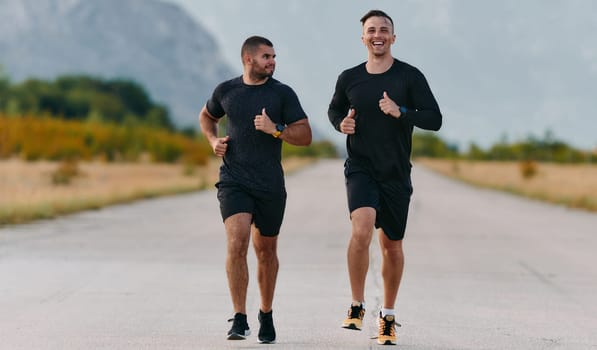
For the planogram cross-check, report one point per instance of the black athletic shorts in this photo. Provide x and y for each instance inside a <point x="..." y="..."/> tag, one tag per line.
<point x="267" y="208"/>
<point x="390" y="199"/>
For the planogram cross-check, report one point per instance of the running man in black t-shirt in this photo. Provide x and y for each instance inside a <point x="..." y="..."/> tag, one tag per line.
<point x="262" y="112"/>
<point x="377" y="104"/>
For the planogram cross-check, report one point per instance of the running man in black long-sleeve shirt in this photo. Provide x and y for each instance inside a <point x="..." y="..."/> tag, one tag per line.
<point x="377" y="104"/>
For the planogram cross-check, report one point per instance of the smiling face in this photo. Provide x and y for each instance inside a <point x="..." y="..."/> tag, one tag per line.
<point x="378" y="36"/>
<point x="261" y="62"/>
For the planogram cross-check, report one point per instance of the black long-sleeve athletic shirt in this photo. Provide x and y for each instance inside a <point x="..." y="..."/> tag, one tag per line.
<point x="382" y="143"/>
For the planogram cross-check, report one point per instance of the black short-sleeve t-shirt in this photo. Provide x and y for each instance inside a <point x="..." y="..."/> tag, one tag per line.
<point x="253" y="158"/>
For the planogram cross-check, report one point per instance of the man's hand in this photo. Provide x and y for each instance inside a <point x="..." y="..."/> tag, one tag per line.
<point x="389" y="107"/>
<point x="220" y="145"/>
<point x="264" y="124"/>
<point x="348" y="124"/>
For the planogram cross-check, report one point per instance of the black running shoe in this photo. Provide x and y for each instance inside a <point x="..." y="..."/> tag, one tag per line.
<point x="267" y="333"/>
<point x="240" y="328"/>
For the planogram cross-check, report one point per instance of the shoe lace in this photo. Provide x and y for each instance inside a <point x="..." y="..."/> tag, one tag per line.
<point x="389" y="328"/>
<point x="356" y="312"/>
<point x="236" y="322"/>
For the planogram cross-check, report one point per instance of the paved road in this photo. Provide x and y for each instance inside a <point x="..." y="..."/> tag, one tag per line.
<point x="484" y="270"/>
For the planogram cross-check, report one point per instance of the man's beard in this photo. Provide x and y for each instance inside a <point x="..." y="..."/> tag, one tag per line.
<point x="260" y="75"/>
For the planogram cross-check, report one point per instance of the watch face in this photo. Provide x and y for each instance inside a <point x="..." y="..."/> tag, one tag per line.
<point x="280" y="127"/>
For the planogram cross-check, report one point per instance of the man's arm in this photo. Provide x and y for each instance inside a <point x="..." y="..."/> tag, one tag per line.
<point x="209" y="128"/>
<point x="297" y="133"/>
<point x="427" y="114"/>
<point x="338" y="106"/>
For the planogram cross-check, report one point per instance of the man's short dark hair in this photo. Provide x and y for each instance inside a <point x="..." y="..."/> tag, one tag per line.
<point x="376" y="13"/>
<point x="252" y="43"/>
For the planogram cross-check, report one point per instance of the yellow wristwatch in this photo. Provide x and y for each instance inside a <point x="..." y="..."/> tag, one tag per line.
<point x="279" y="129"/>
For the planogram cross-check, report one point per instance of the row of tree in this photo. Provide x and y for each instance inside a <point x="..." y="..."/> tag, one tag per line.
<point x="126" y="103"/>
<point x="545" y="149"/>
<point x="85" y="117"/>
<point x="79" y="97"/>
<point x="35" y="138"/>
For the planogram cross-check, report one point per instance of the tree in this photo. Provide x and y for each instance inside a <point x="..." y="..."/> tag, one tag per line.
<point x="157" y="116"/>
<point x="428" y="144"/>
<point x="132" y="96"/>
<point x="82" y="97"/>
<point x="4" y="80"/>
<point x="475" y="152"/>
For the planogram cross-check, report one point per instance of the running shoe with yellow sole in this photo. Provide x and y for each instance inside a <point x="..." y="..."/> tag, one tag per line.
<point x="387" y="330"/>
<point x="354" y="320"/>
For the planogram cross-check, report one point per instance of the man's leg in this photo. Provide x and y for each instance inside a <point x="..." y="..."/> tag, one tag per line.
<point x="363" y="220"/>
<point x="392" y="265"/>
<point x="267" y="272"/>
<point x="238" y="228"/>
<point x="267" y="266"/>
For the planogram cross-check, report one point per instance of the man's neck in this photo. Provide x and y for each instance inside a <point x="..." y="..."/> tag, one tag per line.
<point x="249" y="79"/>
<point x="378" y="65"/>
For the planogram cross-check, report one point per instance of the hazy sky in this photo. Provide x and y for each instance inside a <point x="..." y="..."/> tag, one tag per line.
<point x="497" y="68"/>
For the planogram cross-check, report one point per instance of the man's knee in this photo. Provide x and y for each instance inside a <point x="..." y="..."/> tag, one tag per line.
<point x="238" y="233"/>
<point x="361" y="238"/>
<point x="238" y="246"/>
<point x="363" y="220"/>
<point x="265" y="247"/>
<point x="391" y="248"/>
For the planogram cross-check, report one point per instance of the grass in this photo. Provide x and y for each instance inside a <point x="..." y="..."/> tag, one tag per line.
<point x="572" y="185"/>
<point x="29" y="190"/>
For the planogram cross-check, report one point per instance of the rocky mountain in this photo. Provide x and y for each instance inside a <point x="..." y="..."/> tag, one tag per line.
<point x="152" y="42"/>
